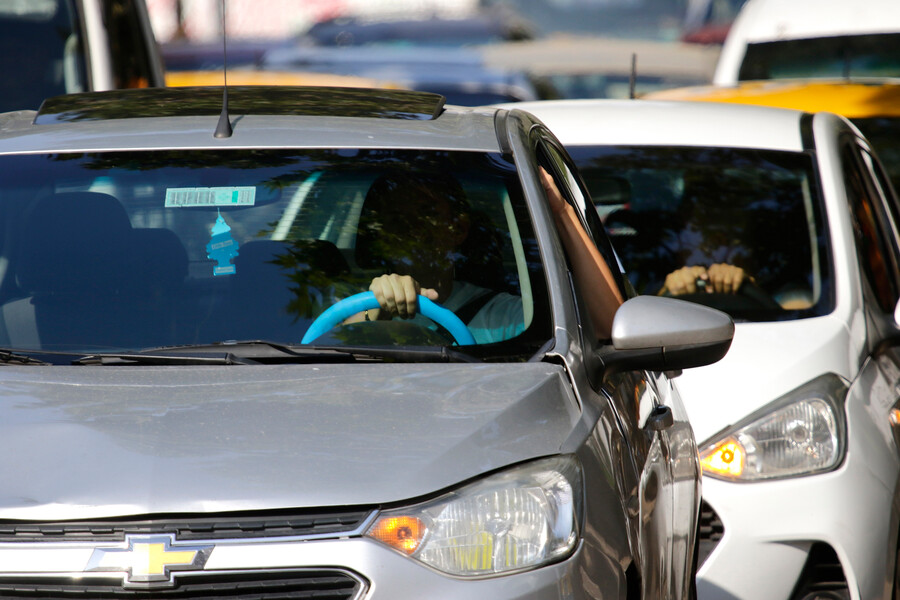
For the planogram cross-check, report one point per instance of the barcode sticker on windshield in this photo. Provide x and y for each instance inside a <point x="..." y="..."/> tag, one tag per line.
<point x="213" y="196"/>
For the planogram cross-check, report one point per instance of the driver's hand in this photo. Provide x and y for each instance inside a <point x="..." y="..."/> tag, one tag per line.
<point x="397" y="296"/>
<point x="724" y="278"/>
<point x="719" y="278"/>
<point x="683" y="281"/>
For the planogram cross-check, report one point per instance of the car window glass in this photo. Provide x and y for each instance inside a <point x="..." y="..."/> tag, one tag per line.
<point x="227" y="245"/>
<point x="40" y="52"/>
<point x="874" y="239"/>
<point x="874" y="55"/>
<point x="887" y="195"/>
<point x="579" y="197"/>
<point x="883" y="133"/>
<point x="666" y="208"/>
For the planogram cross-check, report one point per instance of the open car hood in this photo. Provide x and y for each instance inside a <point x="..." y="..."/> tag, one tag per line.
<point x="89" y="442"/>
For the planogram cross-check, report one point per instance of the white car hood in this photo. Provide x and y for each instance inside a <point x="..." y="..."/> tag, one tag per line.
<point x="765" y="361"/>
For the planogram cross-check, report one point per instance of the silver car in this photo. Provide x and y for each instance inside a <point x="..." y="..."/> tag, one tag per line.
<point x="355" y="344"/>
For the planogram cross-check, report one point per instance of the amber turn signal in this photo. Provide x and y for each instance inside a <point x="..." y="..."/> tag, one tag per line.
<point x="726" y="458"/>
<point x="401" y="533"/>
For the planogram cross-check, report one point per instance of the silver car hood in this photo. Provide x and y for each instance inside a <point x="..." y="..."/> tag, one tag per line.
<point x="87" y="442"/>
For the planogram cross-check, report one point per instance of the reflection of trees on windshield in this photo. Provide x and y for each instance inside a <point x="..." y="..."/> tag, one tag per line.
<point x="298" y="240"/>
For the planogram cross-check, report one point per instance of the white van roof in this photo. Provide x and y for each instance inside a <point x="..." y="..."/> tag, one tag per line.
<point x="773" y="20"/>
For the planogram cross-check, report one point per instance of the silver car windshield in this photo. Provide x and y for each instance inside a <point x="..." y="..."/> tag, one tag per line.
<point x="667" y="208"/>
<point x="131" y="250"/>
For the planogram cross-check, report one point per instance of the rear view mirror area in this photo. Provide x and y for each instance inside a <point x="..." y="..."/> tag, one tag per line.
<point x="665" y="334"/>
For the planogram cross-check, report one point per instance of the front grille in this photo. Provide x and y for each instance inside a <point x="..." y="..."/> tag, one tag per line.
<point x="822" y="576"/>
<point x="216" y="527"/>
<point x="711" y="531"/>
<point x="284" y="585"/>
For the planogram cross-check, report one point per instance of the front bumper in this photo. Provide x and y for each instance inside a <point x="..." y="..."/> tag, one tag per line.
<point x="379" y="573"/>
<point x="768" y="529"/>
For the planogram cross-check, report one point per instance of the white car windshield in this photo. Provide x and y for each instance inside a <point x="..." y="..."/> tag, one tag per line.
<point x="666" y="208"/>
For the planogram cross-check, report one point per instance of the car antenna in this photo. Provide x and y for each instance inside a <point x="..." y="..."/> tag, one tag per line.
<point x="223" y="128"/>
<point x="632" y="80"/>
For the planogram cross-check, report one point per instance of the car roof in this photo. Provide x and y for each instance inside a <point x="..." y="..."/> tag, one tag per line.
<point x="852" y="99"/>
<point x="770" y="20"/>
<point x="657" y="123"/>
<point x="262" y="117"/>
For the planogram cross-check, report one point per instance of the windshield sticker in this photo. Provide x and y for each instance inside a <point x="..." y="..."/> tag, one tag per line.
<point x="213" y="196"/>
<point x="222" y="248"/>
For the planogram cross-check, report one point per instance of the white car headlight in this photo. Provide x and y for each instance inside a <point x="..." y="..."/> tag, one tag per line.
<point x="517" y="519"/>
<point x="801" y="433"/>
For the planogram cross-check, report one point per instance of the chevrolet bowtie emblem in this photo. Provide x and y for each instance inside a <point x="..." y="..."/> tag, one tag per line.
<point x="149" y="561"/>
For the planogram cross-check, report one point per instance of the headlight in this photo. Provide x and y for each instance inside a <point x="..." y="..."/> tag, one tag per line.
<point x="518" y="519"/>
<point x="801" y="433"/>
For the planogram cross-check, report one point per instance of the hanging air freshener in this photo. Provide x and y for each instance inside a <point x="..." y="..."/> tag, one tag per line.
<point x="222" y="248"/>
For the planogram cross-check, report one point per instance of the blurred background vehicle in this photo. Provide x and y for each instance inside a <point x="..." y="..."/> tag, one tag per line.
<point x="708" y="21"/>
<point x="873" y="106"/>
<point x="774" y="39"/>
<point x="51" y="47"/>
<point x="478" y="28"/>
<point x="185" y="55"/>
<point x="459" y="74"/>
<point x="493" y="50"/>
<point x="601" y="67"/>
<point x="238" y="77"/>
<point x="794" y="424"/>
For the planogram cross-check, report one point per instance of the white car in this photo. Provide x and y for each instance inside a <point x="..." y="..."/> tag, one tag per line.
<point x="794" y="425"/>
<point x="777" y="39"/>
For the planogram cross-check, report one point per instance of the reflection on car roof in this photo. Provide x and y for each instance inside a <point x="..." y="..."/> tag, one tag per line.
<point x="190" y="101"/>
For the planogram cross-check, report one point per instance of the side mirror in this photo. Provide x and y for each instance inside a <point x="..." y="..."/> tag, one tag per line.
<point x="666" y="334"/>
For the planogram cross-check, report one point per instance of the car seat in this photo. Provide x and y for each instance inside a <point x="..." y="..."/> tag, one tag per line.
<point x="74" y="271"/>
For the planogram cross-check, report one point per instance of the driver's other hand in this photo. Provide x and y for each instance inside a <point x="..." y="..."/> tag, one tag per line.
<point x="683" y="281"/>
<point x="397" y="296"/>
<point x="725" y="278"/>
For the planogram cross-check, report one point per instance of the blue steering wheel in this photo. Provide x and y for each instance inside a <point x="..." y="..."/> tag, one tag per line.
<point x="357" y="303"/>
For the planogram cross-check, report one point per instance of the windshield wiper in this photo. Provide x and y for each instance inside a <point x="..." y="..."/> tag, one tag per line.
<point x="270" y="352"/>
<point x="251" y="352"/>
<point x="408" y="354"/>
<point x="8" y="357"/>
<point x="163" y="358"/>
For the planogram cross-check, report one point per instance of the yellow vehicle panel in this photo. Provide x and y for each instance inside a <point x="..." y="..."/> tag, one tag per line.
<point x="853" y="100"/>
<point x="257" y="77"/>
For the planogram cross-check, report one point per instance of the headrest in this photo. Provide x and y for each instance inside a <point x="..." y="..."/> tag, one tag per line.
<point x="73" y="241"/>
<point x="160" y="256"/>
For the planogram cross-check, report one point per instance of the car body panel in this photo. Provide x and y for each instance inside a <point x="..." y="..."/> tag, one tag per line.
<point x="146" y="447"/>
<point x="763" y="126"/>
<point x="852" y="99"/>
<point x="258" y="132"/>
<point x="872" y="105"/>
<point x="770" y="524"/>
<point x="172" y="441"/>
